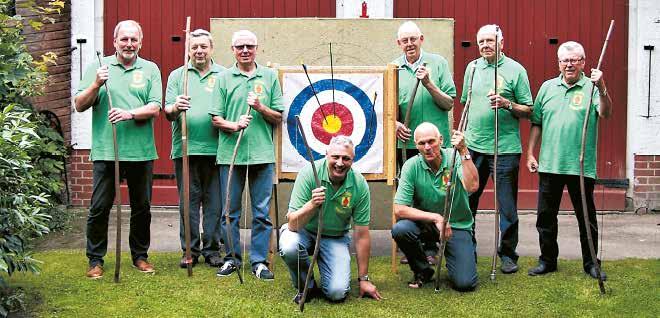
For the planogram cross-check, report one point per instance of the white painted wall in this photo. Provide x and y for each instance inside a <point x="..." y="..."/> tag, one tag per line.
<point x="86" y="23"/>
<point x="643" y="134"/>
<point x="376" y="9"/>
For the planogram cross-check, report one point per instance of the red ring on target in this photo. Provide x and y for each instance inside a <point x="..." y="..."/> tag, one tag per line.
<point x="338" y="121"/>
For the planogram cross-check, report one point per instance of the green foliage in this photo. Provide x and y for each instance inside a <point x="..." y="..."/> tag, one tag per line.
<point x="30" y="152"/>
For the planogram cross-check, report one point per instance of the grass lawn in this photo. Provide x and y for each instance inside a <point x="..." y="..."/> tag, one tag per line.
<point x="63" y="291"/>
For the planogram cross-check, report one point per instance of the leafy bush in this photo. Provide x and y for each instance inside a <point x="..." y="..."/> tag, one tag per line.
<point x="30" y="152"/>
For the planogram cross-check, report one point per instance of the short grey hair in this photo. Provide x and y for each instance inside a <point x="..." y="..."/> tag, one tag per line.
<point x="408" y="26"/>
<point x="341" y="140"/>
<point x="571" y="46"/>
<point x="201" y="32"/>
<point x="491" y="29"/>
<point x="243" y="33"/>
<point x="127" y="23"/>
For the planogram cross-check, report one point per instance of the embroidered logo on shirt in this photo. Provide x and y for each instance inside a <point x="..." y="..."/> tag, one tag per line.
<point x="138" y="79"/>
<point x="210" y="84"/>
<point x="259" y="88"/>
<point x="576" y="101"/>
<point x="346" y="199"/>
<point x="445" y="179"/>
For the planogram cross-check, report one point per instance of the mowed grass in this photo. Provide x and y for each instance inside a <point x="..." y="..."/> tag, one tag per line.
<point x="633" y="290"/>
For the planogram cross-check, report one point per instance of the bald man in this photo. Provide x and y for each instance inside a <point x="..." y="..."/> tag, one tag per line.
<point x="419" y="204"/>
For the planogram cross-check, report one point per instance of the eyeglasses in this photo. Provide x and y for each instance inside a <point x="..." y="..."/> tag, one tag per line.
<point x="572" y="61"/>
<point x="249" y="47"/>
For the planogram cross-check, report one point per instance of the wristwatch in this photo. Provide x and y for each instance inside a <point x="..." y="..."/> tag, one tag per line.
<point x="466" y="157"/>
<point x="603" y="93"/>
<point x="509" y="106"/>
<point x="132" y="114"/>
<point x="364" y="278"/>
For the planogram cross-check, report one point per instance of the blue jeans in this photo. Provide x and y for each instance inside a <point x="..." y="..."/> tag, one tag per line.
<point x="334" y="260"/>
<point x="460" y="252"/>
<point x="551" y="188"/>
<point x="138" y="175"/>
<point x="260" y="184"/>
<point x="204" y="191"/>
<point x="507" y="197"/>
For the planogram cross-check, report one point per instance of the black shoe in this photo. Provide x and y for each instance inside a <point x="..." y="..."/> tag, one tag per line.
<point x="508" y="266"/>
<point x="262" y="272"/>
<point x="184" y="264"/>
<point x="227" y="269"/>
<point x="312" y="293"/>
<point x="542" y="269"/>
<point x="421" y="278"/>
<point x="594" y="275"/>
<point x="214" y="261"/>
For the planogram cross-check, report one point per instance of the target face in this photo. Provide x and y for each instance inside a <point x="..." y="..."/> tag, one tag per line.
<point x="353" y="114"/>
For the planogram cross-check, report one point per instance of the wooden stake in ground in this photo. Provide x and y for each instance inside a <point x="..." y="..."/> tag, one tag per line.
<point x="117" y="182"/>
<point x="184" y="150"/>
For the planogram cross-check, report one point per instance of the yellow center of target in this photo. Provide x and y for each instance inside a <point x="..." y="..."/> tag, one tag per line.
<point x="332" y="124"/>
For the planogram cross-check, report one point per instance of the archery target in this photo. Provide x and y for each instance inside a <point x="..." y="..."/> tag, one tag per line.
<point x="352" y="114"/>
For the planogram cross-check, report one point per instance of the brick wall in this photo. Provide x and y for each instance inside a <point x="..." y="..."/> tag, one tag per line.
<point x="80" y="178"/>
<point x="646" y="189"/>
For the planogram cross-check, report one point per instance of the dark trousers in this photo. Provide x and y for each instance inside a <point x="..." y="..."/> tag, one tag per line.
<point x="430" y="249"/>
<point x="460" y="252"/>
<point x="507" y="197"/>
<point x="205" y="192"/>
<point x="138" y="175"/>
<point x="551" y="187"/>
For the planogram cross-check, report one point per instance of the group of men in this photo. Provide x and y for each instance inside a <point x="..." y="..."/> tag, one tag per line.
<point x="247" y="98"/>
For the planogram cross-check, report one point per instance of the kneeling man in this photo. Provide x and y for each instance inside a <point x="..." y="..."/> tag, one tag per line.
<point x="344" y="196"/>
<point x="419" y="204"/>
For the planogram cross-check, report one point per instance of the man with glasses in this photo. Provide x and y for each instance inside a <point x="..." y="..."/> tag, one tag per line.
<point x="136" y="91"/>
<point x="433" y="100"/>
<point x="247" y="84"/>
<point x="512" y="101"/>
<point x="203" y="75"/>
<point x="558" y="118"/>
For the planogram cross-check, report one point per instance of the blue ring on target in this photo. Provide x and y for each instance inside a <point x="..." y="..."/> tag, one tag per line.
<point x="323" y="85"/>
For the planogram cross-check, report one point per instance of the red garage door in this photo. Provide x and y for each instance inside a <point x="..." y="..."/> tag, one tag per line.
<point x="162" y="23"/>
<point x="532" y="32"/>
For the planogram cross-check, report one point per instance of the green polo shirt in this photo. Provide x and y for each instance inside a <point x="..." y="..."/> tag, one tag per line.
<point x="560" y="111"/>
<point x="421" y="188"/>
<point x="424" y="108"/>
<point x="351" y="200"/>
<point x="130" y="88"/>
<point x="513" y="85"/>
<point x="202" y="136"/>
<point x="257" y="144"/>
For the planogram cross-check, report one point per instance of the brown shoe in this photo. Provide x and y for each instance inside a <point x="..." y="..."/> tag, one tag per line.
<point x="144" y="266"/>
<point x="95" y="272"/>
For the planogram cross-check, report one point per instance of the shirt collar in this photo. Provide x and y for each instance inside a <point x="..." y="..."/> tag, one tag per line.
<point x="215" y="68"/>
<point x="483" y="63"/>
<point x="259" y="72"/>
<point x="443" y="164"/>
<point x="580" y="83"/>
<point x="115" y="61"/>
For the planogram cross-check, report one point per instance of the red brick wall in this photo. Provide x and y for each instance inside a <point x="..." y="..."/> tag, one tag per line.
<point x="646" y="190"/>
<point x="80" y="178"/>
<point x="56" y="38"/>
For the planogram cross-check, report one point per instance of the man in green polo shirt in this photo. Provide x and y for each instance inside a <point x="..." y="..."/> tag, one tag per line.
<point x="135" y="87"/>
<point x="203" y="75"/>
<point x="344" y="196"/>
<point x="247" y="84"/>
<point x="419" y="204"/>
<point x="512" y="101"/>
<point x="558" y="117"/>
<point x="434" y="98"/>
